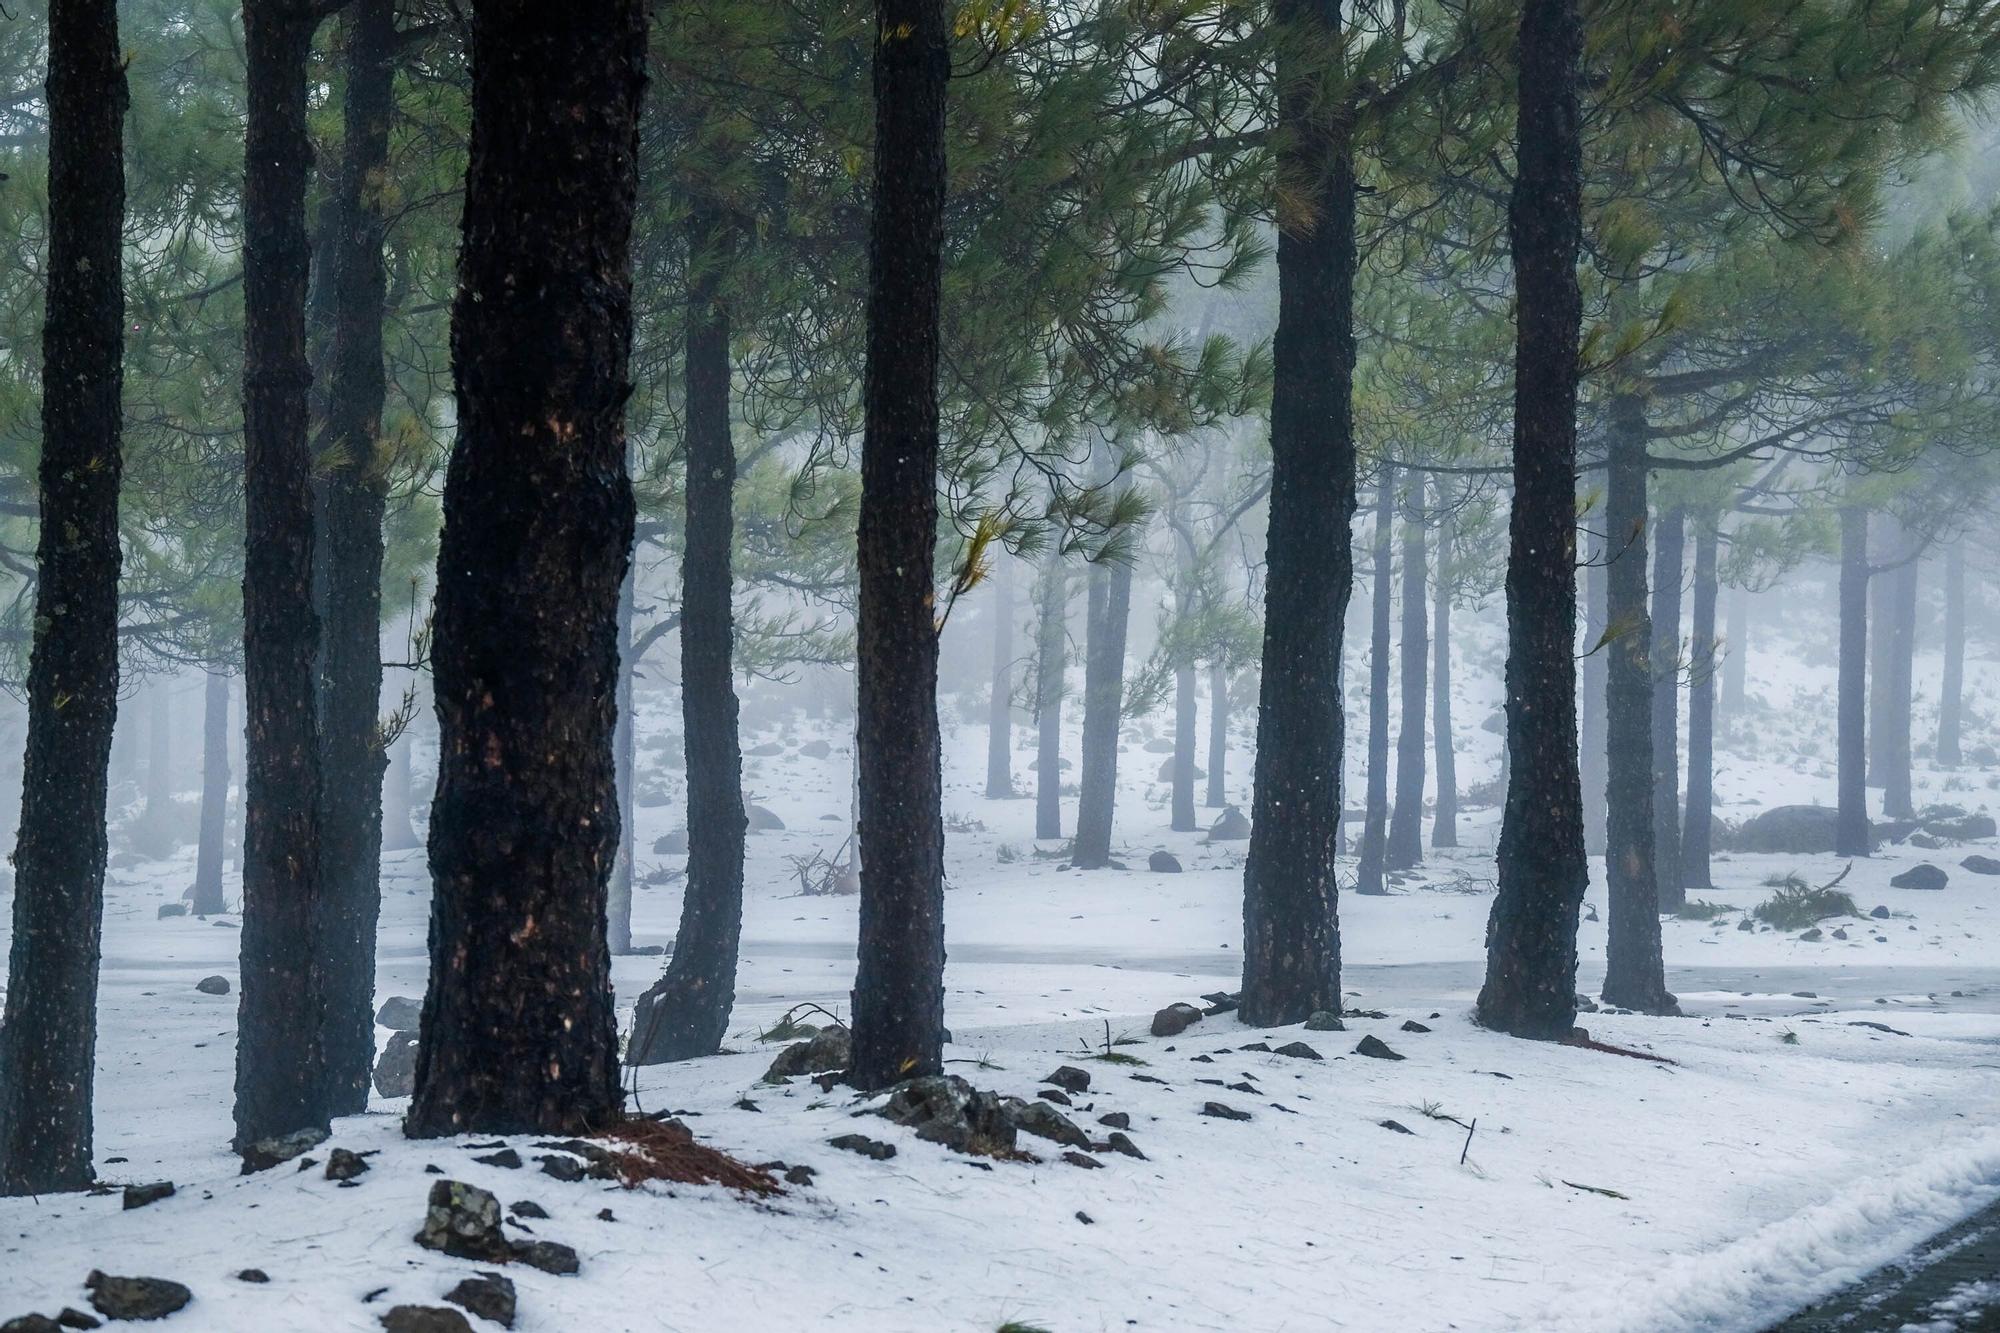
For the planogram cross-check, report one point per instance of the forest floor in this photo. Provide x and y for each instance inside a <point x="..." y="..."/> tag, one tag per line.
<point x="1783" y="1145"/>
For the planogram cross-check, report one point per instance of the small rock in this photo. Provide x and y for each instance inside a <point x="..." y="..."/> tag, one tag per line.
<point x="816" y="749"/>
<point x="1220" y="1002"/>
<point x="1056" y="1095"/>
<point x="166" y="910"/>
<point x="1298" y="1050"/>
<point x="138" y="1196"/>
<point x="1175" y="1019"/>
<point x="1115" y="1120"/>
<point x="254" y="1276"/>
<point x="1839" y="934"/>
<point x="31" y="1323"/>
<point x="1880" y="913"/>
<point x="1119" y="1143"/>
<point x="1746" y="924"/>
<point x="798" y="1175"/>
<point x="1923" y="876"/>
<point x="548" y="1256"/>
<point x="396" y="1070"/>
<point x="424" y="1319"/>
<point x="1812" y="935"/>
<point x="1069" y="1078"/>
<point x="489" y="1295"/>
<point x="823" y="1053"/>
<point x="463" y="1221"/>
<point x="946" y="1110"/>
<point x="1981" y="865"/>
<point x="135" y="1297"/>
<point x="400" y="1013"/>
<point x="1222" y="1112"/>
<point x="527" y="1208"/>
<point x="1164" y="863"/>
<point x="1085" y="1218"/>
<point x="267" y="1153"/>
<point x="213" y="985"/>
<point x="343" y="1164"/>
<point x="506" y="1157"/>
<point x="763" y="820"/>
<point x="1375" y="1049"/>
<point x="1232" y="826"/>
<point x="671" y="844"/>
<point x="1325" y="1020"/>
<point x="1396" y="1126"/>
<point x="873" y="1149"/>
<point x="1412" y="1025"/>
<point x="68" y="1317"/>
<point x="564" y="1168"/>
<point x="768" y="750"/>
<point x="1083" y="1159"/>
<point x="1044" y="1121"/>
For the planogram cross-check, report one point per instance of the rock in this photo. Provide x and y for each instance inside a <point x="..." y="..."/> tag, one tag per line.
<point x="267" y="1153"/>
<point x="767" y="750"/>
<point x="1163" y="863"/>
<point x="69" y="1317"/>
<point x="822" y="1053"/>
<point x="255" y="1276"/>
<point x="1159" y="745"/>
<point x="1175" y="1019"/>
<point x="1839" y="934"/>
<point x="1222" y="1112"/>
<point x="1232" y="826"/>
<point x="31" y="1323"/>
<point x="1325" y="1020"/>
<point x="1924" y="876"/>
<point x="1220" y="1002"/>
<point x="1119" y="1143"/>
<point x="400" y="1013"/>
<point x="671" y="844"/>
<point x="396" y="1069"/>
<point x="527" y="1208"/>
<point x="562" y="1167"/>
<point x="1981" y="865"/>
<point x="1396" y="1126"/>
<point x="1069" y="1078"/>
<point x="138" y="1196"/>
<point x="166" y="910"/>
<point x="1115" y="1120"/>
<point x="135" y="1297"/>
<point x="1375" y="1049"/>
<point x="1412" y="1025"/>
<point x="873" y="1149"/>
<point x="1880" y="913"/>
<point x="424" y="1319"/>
<point x="463" y="1221"/>
<point x="1928" y="842"/>
<point x="489" y="1295"/>
<point x="1893" y="830"/>
<point x="1075" y="1158"/>
<point x="506" y="1158"/>
<point x="1985" y="756"/>
<point x="213" y="985"/>
<point x="343" y="1164"/>
<point x="1792" y="829"/>
<point x="1811" y="935"/>
<point x="1965" y="828"/>
<point x="1167" y="770"/>
<point x="1298" y="1050"/>
<point x="548" y="1256"/>
<point x="816" y="749"/>
<point x="946" y="1110"/>
<point x="1746" y="924"/>
<point x="1045" y="1122"/>
<point x="763" y="821"/>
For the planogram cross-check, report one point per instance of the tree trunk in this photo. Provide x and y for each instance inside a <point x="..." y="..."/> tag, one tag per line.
<point x="280" y="1075"/>
<point x="1897" y="800"/>
<point x="1444" y="822"/>
<point x="1597" y="654"/>
<point x="1951" y="693"/>
<point x="398" y="834"/>
<point x="686" y="1013"/>
<point x="1000" y="708"/>
<point x="1374" y="827"/>
<point x="1530" y="987"/>
<point x="899" y="987"/>
<point x="1881" y="672"/>
<point x="624" y="755"/>
<point x="1634" y="970"/>
<point x="48" y="1038"/>
<point x="518" y="1029"/>
<point x="1406" y="826"/>
<point x="354" y="499"/>
<point x="1103" y="706"/>
<point x="1664" y="654"/>
<point x="1185" y="721"/>
<point x="1052" y="611"/>
<point x="1291" y="930"/>
<point x="1218" y="735"/>
<point x="1700" y="832"/>
<point x="1735" y="656"/>
<point x="1852" y="836"/>
<point x="214" y="795"/>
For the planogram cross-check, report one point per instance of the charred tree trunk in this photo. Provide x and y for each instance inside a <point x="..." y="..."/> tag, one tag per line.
<point x="1291" y="928"/>
<point x="1530" y="987"/>
<point x="1444" y="823"/>
<point x="1852" y="836"/>
<point x="899" y="988"/>
<point x="1000" y="708"/>
<point x="686" y="1013"/>
<point x="1218" y="735"/>
<point x="48" y="1038"/>
<point x="1697" y="840"/>
<point x="1375" y="818"/>
<point x="1590" y="706"/>
<point x="1052" y="612"/>
<point x="1634" y="970"/>
<point x="214" y="795"/>
<point x="280" y="1074"/>
<point x="1951" y="692"/>
<point x="624" y="753"/>
<point x="1103" y="706"/>
<point x="1669" y="560"/>
<point x="1406" y="826"/>
<point x="518" y="1029"/>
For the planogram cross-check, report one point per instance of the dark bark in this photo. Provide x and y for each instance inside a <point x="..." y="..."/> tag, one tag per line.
<point x="48" y="1036"/>
<point x="1852" y="836"/>
<point x="214" y="795"/>
<point x="1530" y="987"/>
<point x="518" y="1028"/>
<point x="1406" y="825"/>
<point x="1052" y="610"/>
<point x="686" y="1013"/>
<point x="1444" y="822"/>
<point x="624" y="755"/>
<point x="899" y="987"/>
<point x="1897" y="800"/>
<point x="280" y="1076"/>
<point x="1000" y="707"/>
<point x="1291" y="929"/>
<point x="1951" y="693"/>
<point x="1634" y="969"/>
<point x="1590" y="707"/>
<point x="1699" y="834"/>
<point x="1664" y="653"/>
<point x="1218" y="735"/>
<point x="1103" y="708"/>
<point x="354" y="498"/>
<point x="1373" y="855"/>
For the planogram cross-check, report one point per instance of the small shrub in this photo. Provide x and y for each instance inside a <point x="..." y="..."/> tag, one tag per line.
<point x="1796" y="907"/>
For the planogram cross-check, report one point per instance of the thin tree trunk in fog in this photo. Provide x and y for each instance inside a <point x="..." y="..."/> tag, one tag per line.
<point x="1951" y="692"/>
<point x="1185" y="723"/>
<point x="1851" y="832"/>
<point x="1218" y="735"/>
<point x="1664" y="653"/>
<point x="518" y="1028"/>
<point x="624" y="757"/>
<point x="1881" y="674"/>
<point x="1406" y="826"/>
<point x="1291" y="930"/>
<point x="280" y="1074"/>
<point x="899" y="987"/>
<point x="1051" y="612"/>
<point x="354" y="496"/>
<point x="1735" y="656"/>
<point x="157" y="816"/>
<point x="399" y="799"/>
<point x="1530" y="986"/>
<point x="1444" y="822"/>
<point x="686" y="1013"/>
<point x="1902" y="645"/>
<point x="214" y="795"/>
<point x="1699" y="835"/>
<point x="1103" y="706"/>
<point x="1634" y="970"/>
<point x="1590" y="707"/>
<point x="1375" y="818"/>
<point x="1000" y="707"/>
<point x="48" y="1036"/>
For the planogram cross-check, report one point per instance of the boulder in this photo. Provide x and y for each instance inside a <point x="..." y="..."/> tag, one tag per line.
<point x="1981" y="865"/>
<point x="1928" y="842"/>
<point x="135" y="1297"/>
<point x="1069" y="1078"/>
<point x="1232" y="826"/>
<point x="400" y="1013"/>
<point x="1795" y="830"/>
<point x="767" y="750"/>
<point x="1175" y="1019"/>
<point x="1965" y="828"/>
<point x="31" y="1323"/>
<point x="488" y="1295"/>
<point x="166" y="910"/>
<point x="345" y="1164"/>
<point x="1223" y="1112"/>
<point x="822" y="1053"/>
<point x="1164" y="863"/>
<point x="945" y="1109"/>
<point x="763" y="821"/>
<point x="267" y="1153"/>
<point x="1985" y="756"/>
<point x="1159" y="745"/>
<point x="396" y="1070"/>
<point x="547" y="1255"/>
<point x="463" y="1221"/>
<point x="1044" y="1121"/>
<point x="1167" y="771"/>
<point x="671" y="844"/>
<point x="1375" y="1048"/>
<point x="1325" y="1020"/>
<point x="213" y="985"/>
<point x="816" y="749"/>
<point x="1298" y="1050"/>
<point x="424" y="1319"/>
<point x="1881" y="912"/>
<point x="138" y="1196"/>
<point x="1924" y="876"/>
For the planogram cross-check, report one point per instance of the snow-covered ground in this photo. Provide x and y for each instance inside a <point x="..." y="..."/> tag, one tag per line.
<point x="1786" y="1142"/>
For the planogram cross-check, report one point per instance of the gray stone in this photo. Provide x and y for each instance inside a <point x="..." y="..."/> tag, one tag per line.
<point x="424" y="1319"/>
<point x="166" y="910"/>
<point x="463" y="1221"/>
<point x="1115" y="1120"/>
<point x="671" y="844"/>
<point x="1175" y="1019"/>
<point x="768" y="750"/>
<point x="1298" y="1050"/>
<point x="135" y="1297"/>
<point x="31" y="1323"/>
<point x="345" y="1164"/>
<point x="1069" y="1078"/>
<point x="488" y="1295"/>
<point x="267" y="1153"/>
<point x="1163" y="863"/>
<point x="1924" y="876"/>
<point x="213" y="985"/>
<point x="1880" y="913"/>
<point x="1325" y="1020"/>
<point x="823" y="1053"/>
<point x="1044" y="1121"/>
<point x="763" y="820"/>
<point x="1167" y="770"/>
<point x="1981" y="865"/>
<point x="1232" y="826"/>
<point x="396" y="1070"/>
<point x="506" y="1158"/>
<point x="873" y="1149"/>
<point x="1376" y="1049"/>
<point x="138" y="1196"/>
<point x="815" y="749"/>
<point x="946" y="1110"/>
<point x="1119" y="1143"/>
<point x="1791" y="829"/>
<point x="400" y="1013"/>
<point x="1965" y="828"/>
<point x="1223" y="1112"/>
<point x="1412" y="1025"/>
<point x="548" y="1256"/>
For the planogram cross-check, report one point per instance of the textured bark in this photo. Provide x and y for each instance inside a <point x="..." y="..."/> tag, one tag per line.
<point x="1852" y="836"/>
<point x="1699" y="833"/>
<point x="899" y="987"/>
<point x="1000" y="707"/>
<point x="1664" y="654"/>
<point x="353" y="499"/>
<point x="1103" y="707"/>
<point x="1406" y="826"/>
<point x="1218" y="736"/>
<point x="1590" y="707"/>
<point x="1052" y="609"/>
<point x="1951" y="693"/>
<point x="519" y="1034"/>
<point x="1444" y="821"/>
<point x="1291" y="929"/>
<point x="1530" y="986"/>
<point x="214" y="795"/>
<point x="48" y="1036"/>
<point x="280" y="1077"/>
<point x="1375" y="815"/>
<point x="1634" y="970"/>
<point x="686" y="1013"/>
<point x="624" y="754"/>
